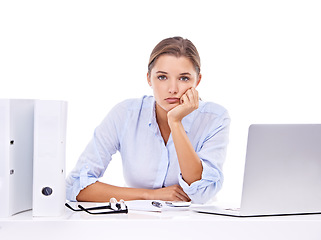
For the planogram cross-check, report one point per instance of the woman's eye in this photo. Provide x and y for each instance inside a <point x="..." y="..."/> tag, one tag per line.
<point x="162" y="77"/>
<point x="185" y="79"/>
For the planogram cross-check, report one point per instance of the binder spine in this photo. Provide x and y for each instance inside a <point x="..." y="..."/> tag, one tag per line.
<point x="4" y="157"/>
<point x="16" y="156"/>
<point x="49" y="191"/>
<point x="21" y="154"/>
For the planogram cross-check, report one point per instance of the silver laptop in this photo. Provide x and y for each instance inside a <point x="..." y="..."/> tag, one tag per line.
<point x="282" y="172"/>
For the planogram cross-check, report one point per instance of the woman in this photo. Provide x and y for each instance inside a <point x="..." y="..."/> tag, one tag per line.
<point x="172" y="144"/>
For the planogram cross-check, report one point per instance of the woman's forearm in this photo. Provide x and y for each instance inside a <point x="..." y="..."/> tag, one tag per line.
<point x="189" y="162"/>
<point x="102" y="192"/>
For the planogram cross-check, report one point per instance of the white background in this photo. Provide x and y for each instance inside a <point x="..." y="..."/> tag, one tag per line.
<point x="260" y="59"/>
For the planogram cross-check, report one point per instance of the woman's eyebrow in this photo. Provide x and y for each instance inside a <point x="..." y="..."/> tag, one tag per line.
<point x="162" y="72"/>
<point x="185" y="73"/>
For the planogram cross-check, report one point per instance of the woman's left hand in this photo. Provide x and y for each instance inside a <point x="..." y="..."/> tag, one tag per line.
<point x="188" y="103"/>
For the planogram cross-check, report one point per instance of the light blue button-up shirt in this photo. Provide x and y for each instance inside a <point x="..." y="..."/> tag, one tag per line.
<point x="131" y="128"/>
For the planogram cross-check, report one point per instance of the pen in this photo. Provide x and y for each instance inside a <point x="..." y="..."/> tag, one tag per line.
<point x="156" y="204"/>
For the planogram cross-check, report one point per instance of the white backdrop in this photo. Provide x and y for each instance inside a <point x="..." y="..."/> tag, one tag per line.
<point x="260" y="59"/>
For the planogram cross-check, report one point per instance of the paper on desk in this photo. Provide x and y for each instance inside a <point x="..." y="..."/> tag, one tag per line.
<point x="146" y="205"/>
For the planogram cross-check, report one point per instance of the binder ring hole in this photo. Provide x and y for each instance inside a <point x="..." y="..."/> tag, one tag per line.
<point x="47" y="191"/>
<point x="11" y="142"/>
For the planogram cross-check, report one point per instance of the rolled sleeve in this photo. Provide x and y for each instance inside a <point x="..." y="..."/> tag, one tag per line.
<point x="76" y="183"/>
<point x="90" y="167"/>
<point x="212" y="154"/>
<point x="203" y="190"/>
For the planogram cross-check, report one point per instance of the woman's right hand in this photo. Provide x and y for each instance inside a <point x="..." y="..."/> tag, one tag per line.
<point x="171" y="193"/>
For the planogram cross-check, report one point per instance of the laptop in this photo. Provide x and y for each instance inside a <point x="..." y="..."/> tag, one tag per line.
<point x="282" y="172"/>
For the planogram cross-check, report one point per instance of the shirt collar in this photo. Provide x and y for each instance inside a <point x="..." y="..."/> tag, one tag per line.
<point x="187" y="121"/>
<point x="152" y="123"/>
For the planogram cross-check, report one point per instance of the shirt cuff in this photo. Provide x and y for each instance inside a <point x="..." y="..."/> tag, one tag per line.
<point x="78" y="184"/>
<point x="204" y="189"/>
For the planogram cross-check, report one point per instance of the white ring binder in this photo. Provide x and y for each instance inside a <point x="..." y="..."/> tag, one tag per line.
<point x="49" y="191"/>
<point x="16" y="155"/>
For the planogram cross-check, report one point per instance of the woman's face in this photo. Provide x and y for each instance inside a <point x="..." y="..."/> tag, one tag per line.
<point x="170" y="78"/>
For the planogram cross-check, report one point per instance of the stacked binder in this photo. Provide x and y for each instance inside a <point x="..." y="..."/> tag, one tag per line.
<point x="32" y="156"/>
<point x="16" y="155"/>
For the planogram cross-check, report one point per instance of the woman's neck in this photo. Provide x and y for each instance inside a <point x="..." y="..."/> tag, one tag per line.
<point x="161" y="116"/>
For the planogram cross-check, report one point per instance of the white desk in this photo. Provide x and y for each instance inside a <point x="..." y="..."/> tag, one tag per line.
<point x="165" y="225"/>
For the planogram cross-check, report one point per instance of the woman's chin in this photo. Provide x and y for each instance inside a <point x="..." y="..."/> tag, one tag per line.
<point x="167" y="107"/>
<point x="170" y="106"/>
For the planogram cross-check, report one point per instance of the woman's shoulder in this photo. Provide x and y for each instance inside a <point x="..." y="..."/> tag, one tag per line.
<point x="129" y="107"/>
<point x="136" y="103"/>
<point x="211" y="107"/>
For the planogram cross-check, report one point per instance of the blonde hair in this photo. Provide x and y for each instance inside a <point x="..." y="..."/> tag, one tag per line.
<point x="178" y="47"/>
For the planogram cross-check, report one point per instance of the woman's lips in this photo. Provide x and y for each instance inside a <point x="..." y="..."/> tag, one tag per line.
<point x="172" y="100"/>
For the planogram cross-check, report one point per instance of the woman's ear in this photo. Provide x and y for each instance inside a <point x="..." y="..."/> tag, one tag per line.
<point x="148" y="80"/>
<point x="199" y="79"/>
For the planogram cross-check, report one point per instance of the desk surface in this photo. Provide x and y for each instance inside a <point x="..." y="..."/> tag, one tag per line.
<point x="155" y="225"/>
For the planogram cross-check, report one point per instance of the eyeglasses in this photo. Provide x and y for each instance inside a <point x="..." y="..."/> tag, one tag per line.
<point x="114" y="206"/>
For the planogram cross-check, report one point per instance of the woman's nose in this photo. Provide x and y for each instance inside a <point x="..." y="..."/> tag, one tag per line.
<point x="173" y="87"/>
